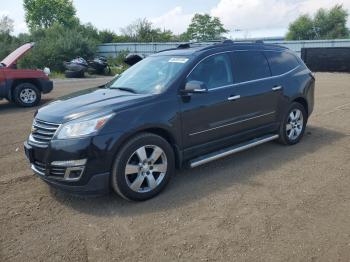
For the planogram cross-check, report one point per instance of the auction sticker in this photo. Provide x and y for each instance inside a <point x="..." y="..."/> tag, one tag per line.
<point x="180" y="60"/>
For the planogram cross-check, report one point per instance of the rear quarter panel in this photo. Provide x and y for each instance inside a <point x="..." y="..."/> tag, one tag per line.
<point x="298" y="84"/>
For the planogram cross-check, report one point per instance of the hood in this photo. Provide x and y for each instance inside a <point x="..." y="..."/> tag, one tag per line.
<point x="17" y="54"/>
<point x="88" y="102"/>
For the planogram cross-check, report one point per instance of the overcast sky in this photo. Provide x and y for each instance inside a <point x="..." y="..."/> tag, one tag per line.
<point x="244" y="18"/>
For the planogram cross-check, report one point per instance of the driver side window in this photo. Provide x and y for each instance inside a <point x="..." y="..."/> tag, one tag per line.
<point x="214" y="71"/>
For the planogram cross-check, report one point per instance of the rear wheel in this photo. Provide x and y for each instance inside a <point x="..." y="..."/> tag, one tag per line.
<point x="293" y="126"/>
<point x="143" y="167"/>
<point x="26" y="95"/>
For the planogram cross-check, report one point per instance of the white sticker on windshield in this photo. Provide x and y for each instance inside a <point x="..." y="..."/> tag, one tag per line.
<point x="181" y="60"/>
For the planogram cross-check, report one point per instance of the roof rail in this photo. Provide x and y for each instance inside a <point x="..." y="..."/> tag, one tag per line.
<point x="211" y="44"/>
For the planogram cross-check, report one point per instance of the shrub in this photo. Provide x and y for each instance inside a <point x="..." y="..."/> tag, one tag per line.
<point x="58" y="44"/>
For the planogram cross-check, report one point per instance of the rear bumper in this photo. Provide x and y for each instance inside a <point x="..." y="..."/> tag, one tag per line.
<point x="46" y="86"/>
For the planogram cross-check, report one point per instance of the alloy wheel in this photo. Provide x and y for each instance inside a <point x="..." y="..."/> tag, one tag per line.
<point x="27" y="96"/>
<point x="295" y="124"/>
<point x="146" y="168"/>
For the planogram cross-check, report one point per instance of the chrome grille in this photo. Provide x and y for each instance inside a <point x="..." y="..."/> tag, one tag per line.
<point x="43" y="132"/>
<point x="54" y="172"/>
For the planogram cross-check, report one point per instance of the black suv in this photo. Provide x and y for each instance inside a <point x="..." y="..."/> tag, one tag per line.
<point x="180" y="107"/>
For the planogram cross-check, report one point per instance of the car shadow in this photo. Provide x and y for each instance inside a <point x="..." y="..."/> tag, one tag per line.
<point x="191" y="185"/>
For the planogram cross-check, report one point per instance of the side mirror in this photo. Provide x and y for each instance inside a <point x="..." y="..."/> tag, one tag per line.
<point x="195" y="87"/>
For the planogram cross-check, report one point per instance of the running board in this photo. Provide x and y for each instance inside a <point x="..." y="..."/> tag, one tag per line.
<point x="231" y="150"/>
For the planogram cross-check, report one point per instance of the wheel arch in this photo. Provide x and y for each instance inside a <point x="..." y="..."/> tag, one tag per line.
<point x="17" y="82"/>
<point x="303" y="102"/>
<point x="160" y="131"/>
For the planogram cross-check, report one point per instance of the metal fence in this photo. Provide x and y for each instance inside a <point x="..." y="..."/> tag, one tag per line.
<point x="145" y="49"/>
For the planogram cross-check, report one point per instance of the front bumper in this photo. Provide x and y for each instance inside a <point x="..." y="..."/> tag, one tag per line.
<point x="97" y="185"/>
<point x="46" y="86"/>
<point x="98" y="152"/>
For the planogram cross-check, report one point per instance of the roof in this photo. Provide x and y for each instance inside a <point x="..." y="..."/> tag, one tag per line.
<point x="187" y="49"/>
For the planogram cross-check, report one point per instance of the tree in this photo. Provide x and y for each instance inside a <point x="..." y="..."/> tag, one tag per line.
<point x="6" y="25"/>
<point x="106" y="36"/>
<point x="142" y="30"/>
<point x="331" y="24"/>
<point x="58" y="44"/>
<point x="326" y="24"/>
<point x="204" y="28"/>
<point x="41" y="14"/>
<point x="302" y="28"/>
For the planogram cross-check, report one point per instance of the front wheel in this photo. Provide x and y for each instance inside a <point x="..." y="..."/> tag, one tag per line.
<point x="143" y="167"/>
<point x="26" y="95"/>
<point x="293" y="126"/>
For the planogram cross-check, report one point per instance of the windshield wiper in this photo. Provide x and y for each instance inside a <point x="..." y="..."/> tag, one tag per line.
<point x="128" y="89"/>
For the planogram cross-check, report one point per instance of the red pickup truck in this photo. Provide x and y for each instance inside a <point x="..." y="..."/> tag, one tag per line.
<point x="22" y="86"/>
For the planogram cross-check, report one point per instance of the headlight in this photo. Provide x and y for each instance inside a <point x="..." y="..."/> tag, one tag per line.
<point x="81" y="128"/>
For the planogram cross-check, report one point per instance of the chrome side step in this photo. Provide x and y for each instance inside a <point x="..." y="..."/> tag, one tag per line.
<point x="231" y="150"/>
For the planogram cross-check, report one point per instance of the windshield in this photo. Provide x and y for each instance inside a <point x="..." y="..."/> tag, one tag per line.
<point x="151" y="75"/>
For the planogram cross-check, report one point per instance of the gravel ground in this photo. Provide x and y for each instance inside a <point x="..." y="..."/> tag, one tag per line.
<point x="270" y="203"/>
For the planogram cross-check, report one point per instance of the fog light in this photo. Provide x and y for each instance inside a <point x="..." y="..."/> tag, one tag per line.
<point x="73" y="173"/>
<point x="69" y="163"/>
<point x="74" y="168"/>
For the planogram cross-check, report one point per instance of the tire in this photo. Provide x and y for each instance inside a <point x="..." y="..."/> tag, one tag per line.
<point x="26" y="95"/>
<point x="74" y="74"/>
<point x="292" y="130"/>
<point x="141" y="181"/>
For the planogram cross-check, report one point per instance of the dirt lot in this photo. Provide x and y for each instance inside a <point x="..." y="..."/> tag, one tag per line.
<point x="271" y="203"/>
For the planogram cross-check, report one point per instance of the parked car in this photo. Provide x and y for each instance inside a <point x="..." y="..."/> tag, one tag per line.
<point x="181" y="107"/>
<point x="22" y="86"/>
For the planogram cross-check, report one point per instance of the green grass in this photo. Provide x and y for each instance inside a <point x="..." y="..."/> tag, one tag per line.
<point x="56" y="75"/>
<point x="117" y="70"/>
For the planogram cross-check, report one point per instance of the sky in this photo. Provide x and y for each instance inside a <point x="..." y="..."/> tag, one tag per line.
<point x="243" y="18"/>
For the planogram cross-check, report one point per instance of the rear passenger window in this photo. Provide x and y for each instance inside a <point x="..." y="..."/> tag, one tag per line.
<point x="281" y="62"/>
<point x="249" y="65"/>
<point x="214" y="71"/>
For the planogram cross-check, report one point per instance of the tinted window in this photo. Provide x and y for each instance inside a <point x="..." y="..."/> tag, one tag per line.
<point x="249" y="65"/>
<point x="214" y="71"/>
<point x="281" y="62"/>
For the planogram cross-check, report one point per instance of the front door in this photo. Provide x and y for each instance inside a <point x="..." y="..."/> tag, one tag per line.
<point x="204" y="115"/>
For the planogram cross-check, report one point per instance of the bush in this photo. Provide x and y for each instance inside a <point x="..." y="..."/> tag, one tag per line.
<point x="58" y="44"/>
<point x="119" y="59"/>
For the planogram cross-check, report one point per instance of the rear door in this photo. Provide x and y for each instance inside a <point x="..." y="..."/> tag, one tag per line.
<point x="258" y="92"/>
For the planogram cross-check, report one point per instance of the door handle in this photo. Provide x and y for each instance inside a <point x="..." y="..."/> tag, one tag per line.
<point x="276" y="88"/>
<point x="232" y="98"/>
